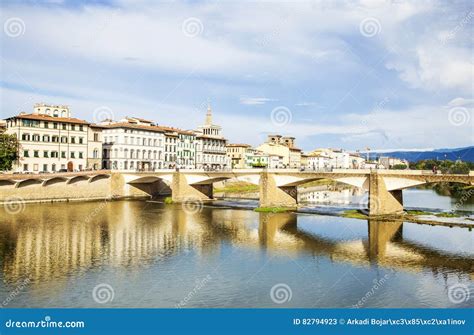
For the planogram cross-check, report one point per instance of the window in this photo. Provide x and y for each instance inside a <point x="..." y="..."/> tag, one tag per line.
<point x="25" y="137"/>
<point x="73" y="139"/>
<point x="53" y="167"/>
<point x="55" y="139"/>
<point x="96" y="137"/>
<point x="55" y="126"/>
<point x="45" y="138"/>
<point x="54" y="154"/>
<point x="73" y="127"/>
<point x="35" y="167"/>
<point x="46" y="125"/>
<point x="45" y="167"/>
<point x="45" y="154"/>
<point x="25" y="167"/>
<point x="64" y="126"/>
<point x="95" y="154"/>
<point x="81" y="140"/>
<point x="80" y="155"/>
<point x="63" y="154"/>
<point x="35" y="153"/>
<point x="26" y="153"/>
<point x="63" y="139"/>
<point x="73" y="155"/>
<point x="81" y="127"/>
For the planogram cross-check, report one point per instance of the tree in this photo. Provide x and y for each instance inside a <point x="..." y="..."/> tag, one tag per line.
<point x="459" y="168"/>
<point x="399" y="167"/>
<point x="9" y="149"/>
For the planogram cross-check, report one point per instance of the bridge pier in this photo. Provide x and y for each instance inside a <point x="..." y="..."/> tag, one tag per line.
<point x="380" y="233"/>
<point x="181" y="191"/>
<point x="382" y="201"/>
<point x="273" y="196"/>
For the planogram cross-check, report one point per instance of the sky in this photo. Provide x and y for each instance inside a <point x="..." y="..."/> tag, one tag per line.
<point x="342" y="74"/>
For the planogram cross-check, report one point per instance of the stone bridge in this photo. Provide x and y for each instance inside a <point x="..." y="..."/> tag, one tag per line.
<point x="277" y="188"/>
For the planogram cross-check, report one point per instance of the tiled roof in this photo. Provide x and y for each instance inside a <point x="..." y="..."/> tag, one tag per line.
<point x="44" y="117"/>
<point x="134" y="126"/>
<point x="238" y="145"/>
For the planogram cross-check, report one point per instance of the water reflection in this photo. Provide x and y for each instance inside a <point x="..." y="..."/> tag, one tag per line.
<point x="48" y="242"/>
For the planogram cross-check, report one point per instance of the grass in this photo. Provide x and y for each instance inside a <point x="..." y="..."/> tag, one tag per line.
<point x="168" y="200"/>
<point x="354" y="214"/>
<point x="273" y="209"/>
<point x="448" y="215"/>
<point x="418" y="212"/>
<point x="238" y="188"/>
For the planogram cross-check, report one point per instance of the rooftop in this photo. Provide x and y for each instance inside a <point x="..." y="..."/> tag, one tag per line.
<point x="44" y="117"/>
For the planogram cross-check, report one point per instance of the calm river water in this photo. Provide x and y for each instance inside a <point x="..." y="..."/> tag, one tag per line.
<point x="147" y="254"/>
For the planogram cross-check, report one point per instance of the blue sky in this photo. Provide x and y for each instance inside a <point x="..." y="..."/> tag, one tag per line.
<point x="379" y="74"/>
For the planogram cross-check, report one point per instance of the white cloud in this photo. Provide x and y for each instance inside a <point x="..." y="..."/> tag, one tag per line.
<point x="255" y="101"/>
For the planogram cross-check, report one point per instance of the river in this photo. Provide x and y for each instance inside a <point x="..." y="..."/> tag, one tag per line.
<point x="148" y="254"/>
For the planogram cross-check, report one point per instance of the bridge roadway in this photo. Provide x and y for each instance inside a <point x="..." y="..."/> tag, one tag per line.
<point x="277" y="187"/>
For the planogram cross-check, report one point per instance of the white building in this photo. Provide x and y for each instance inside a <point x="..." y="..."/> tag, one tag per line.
<point x="327" y="159"/>
<point x="133" y="144"/>
<point x="180" y="148"/>
<point x="211" y="150"/>
<point x="50" y="140"/>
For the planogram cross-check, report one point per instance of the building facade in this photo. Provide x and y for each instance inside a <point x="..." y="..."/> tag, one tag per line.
<point x="186" y="149"/>
<point x="237" y="154"/>
<point x="284" y="147"/>
<point x="211" y="150"/>
<point x="94" y="147"/>
<point x="133" y="144"/>
<point x="50" y="140"/>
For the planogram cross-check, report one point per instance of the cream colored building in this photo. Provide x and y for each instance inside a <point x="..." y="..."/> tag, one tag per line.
<point x="133" y="144"/>
<point x="50" y="139"/>
<point x="283" y="147"/>
<point x="211" y="150"/>
<point x="237" y="153"/>
<point x="94" y="147"/>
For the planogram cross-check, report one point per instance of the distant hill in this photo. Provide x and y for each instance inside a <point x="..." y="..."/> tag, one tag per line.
<point x="465" y="154"/>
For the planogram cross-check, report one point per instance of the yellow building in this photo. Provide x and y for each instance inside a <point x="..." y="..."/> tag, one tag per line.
<point x="284" y="147"/>
<point x="237" y="154"/>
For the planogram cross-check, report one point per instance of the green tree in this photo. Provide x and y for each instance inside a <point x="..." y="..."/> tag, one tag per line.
<point x="9" y="148"/>
<point x="399" y="167"/>
<point x="459" y="168"/>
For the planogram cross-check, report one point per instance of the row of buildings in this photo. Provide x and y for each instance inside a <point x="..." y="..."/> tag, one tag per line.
<point x="52" y="140"/>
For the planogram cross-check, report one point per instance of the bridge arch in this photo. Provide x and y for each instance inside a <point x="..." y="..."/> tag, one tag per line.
<point x="28" y="182"/>
<point x="77" y="179"/>
<point x="7" y="182"/>
<point x="98" y="177"/>
<point x="54" y="180"/>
